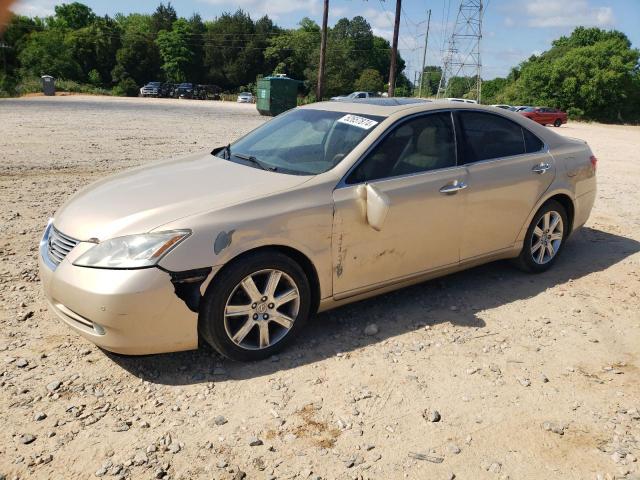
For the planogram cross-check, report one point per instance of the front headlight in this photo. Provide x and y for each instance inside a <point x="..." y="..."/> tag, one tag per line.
<point x="132" y="251"/>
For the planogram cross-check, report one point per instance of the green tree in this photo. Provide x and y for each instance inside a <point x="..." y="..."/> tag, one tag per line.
<point x="233" y="49"/>
<point x="175" y="51"/>
<point x="163" y="18"/>
<point x="72" y="16"/>
<point x="138" y="58"/>
<point x="592" y="71"/>
<point x="45" y="52"/>
<point x="196" y="70"/>
<point x="492" y="88"/>
<point x="94" y="47"/>
<point x="458" y="87"/>
<point x="432" y="75"/>
<point x="370" y="80"/>
<point x="15" y="37"/>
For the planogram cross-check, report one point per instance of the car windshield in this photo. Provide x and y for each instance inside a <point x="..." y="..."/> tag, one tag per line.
<point x="245" y="94"/>
<point x="154" y="84"/>
<point x="529" y="109"/>
<point x="302" y="141"/>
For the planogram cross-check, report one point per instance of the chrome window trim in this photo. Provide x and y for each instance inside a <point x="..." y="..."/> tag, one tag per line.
<point x="499" y="159"/>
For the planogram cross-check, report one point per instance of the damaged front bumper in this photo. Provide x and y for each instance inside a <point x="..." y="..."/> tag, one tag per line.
<point x="133" y="312"/>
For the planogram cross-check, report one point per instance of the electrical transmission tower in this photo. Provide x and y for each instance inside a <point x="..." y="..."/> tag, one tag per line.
<point x="461" y="60"/>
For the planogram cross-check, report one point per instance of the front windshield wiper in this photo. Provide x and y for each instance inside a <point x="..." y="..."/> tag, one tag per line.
<point x="255" y="161"/>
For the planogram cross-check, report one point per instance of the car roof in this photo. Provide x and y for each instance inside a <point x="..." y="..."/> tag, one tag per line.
<point x="401" y="107"/>
<point x="386" y="107"/>
<point x="379" y="106"/>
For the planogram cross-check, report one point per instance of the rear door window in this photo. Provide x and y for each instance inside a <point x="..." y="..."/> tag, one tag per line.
<point x="487" y="136"/>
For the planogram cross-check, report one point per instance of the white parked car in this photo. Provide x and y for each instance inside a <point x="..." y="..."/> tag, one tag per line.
<point x="503" y="106"/>
<point x="355" y="95"/>
<point x="245" y="97"/>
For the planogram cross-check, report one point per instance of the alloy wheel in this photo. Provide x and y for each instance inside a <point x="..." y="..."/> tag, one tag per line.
<point x="547" y="237"/>
<point x="261" y="309"/>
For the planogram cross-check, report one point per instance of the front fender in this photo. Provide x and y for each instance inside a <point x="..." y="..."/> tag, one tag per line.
<point x="303" y="223"/>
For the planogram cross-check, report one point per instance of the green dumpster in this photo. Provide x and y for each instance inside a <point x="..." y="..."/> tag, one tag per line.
<point x="276" y="95"/>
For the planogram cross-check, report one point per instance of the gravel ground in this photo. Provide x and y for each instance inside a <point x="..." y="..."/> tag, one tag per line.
<point x="485" y="374"/>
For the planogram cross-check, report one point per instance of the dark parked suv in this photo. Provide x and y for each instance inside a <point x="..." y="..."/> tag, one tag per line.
<point x="186" y="90"/>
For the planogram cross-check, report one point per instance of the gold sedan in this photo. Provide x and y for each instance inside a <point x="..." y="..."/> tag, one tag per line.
<point x="323" y="205"/>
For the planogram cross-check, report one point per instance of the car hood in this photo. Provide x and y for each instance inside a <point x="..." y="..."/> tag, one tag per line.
<point x="142" y="199"/>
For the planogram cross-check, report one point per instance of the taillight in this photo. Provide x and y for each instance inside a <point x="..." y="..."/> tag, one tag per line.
<point x="594" y="162"/>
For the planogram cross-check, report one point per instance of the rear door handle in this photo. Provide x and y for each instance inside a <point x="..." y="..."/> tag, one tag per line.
<point x="541" y="168"/>
<point x="453" y="187"/>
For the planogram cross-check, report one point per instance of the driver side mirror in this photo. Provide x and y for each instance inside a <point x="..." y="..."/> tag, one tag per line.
<point x="376" y="205"/>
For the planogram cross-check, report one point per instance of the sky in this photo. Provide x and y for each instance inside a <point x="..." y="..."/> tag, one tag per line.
<point x="513" y="30"/>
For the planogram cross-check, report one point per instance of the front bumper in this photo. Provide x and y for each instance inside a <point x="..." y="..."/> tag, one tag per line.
<point x="133" y="312"/>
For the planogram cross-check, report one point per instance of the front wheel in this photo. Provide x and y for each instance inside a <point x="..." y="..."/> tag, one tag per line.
<point x="557" y="123"/>
<point x="255" y="307"/>
<point x="544" y="238"/>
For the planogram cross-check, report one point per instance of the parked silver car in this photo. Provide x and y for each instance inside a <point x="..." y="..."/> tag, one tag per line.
<point x="323" y="205"/>
<point x="245" y="97"/>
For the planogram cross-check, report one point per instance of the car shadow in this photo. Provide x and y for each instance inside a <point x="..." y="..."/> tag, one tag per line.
<point x="455" y="299"/>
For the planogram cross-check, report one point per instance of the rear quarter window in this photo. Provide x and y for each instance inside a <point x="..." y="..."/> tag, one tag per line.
<point x="531" y="142"/>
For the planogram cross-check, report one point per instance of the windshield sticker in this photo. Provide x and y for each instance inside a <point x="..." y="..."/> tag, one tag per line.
<point x="356" y="121"/>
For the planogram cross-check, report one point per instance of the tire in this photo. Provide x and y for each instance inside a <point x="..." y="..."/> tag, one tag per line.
<point x="534" y="260"/>
<point x="241" y="336"/>
<point x="557" y="123"/>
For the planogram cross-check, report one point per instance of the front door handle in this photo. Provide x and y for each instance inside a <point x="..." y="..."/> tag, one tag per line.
<point x="541" y="168"/>
<point x="453" y="187"/>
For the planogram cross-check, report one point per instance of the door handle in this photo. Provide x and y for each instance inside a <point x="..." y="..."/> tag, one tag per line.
<point x="541" y="168"/>
<point x="453" y="187"/>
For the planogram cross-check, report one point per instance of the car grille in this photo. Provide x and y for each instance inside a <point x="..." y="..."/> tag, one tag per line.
<point x="59" y="245"/>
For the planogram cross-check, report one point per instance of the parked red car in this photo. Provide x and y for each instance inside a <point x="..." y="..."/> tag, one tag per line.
<point x="545" y="115"/>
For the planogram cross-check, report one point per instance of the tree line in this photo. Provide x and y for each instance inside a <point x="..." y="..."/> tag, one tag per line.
<point x="592" y="74"/>
<point x="125" y="52"/>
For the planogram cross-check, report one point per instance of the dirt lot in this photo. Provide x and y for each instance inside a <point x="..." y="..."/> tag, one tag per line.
<point x="532" y="376"/>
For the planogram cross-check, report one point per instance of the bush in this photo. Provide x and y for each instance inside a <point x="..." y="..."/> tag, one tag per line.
<point x="402" y="92"/>
<point x="575" y="113"/>
<point x="7" y="85"/>
<point x="34" y="85"/>
<point x="94" y="78"/>
<point x="370" y="81"/>
<point x="311" y="98"/>
<point x="126" y="88"/>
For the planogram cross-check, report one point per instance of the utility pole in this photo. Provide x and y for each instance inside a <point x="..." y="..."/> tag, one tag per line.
<point x="323" y="52"/>
<point x="424" y="55"/>
<point x="394" y="49"/>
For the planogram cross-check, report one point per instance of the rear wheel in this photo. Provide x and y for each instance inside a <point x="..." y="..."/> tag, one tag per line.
<point x="557" y="123"/>
<point x="255" y="307"/>
<point x="544" y="239"/>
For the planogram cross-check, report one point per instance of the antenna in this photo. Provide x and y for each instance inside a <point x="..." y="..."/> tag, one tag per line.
<point x="462" y="57"/>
